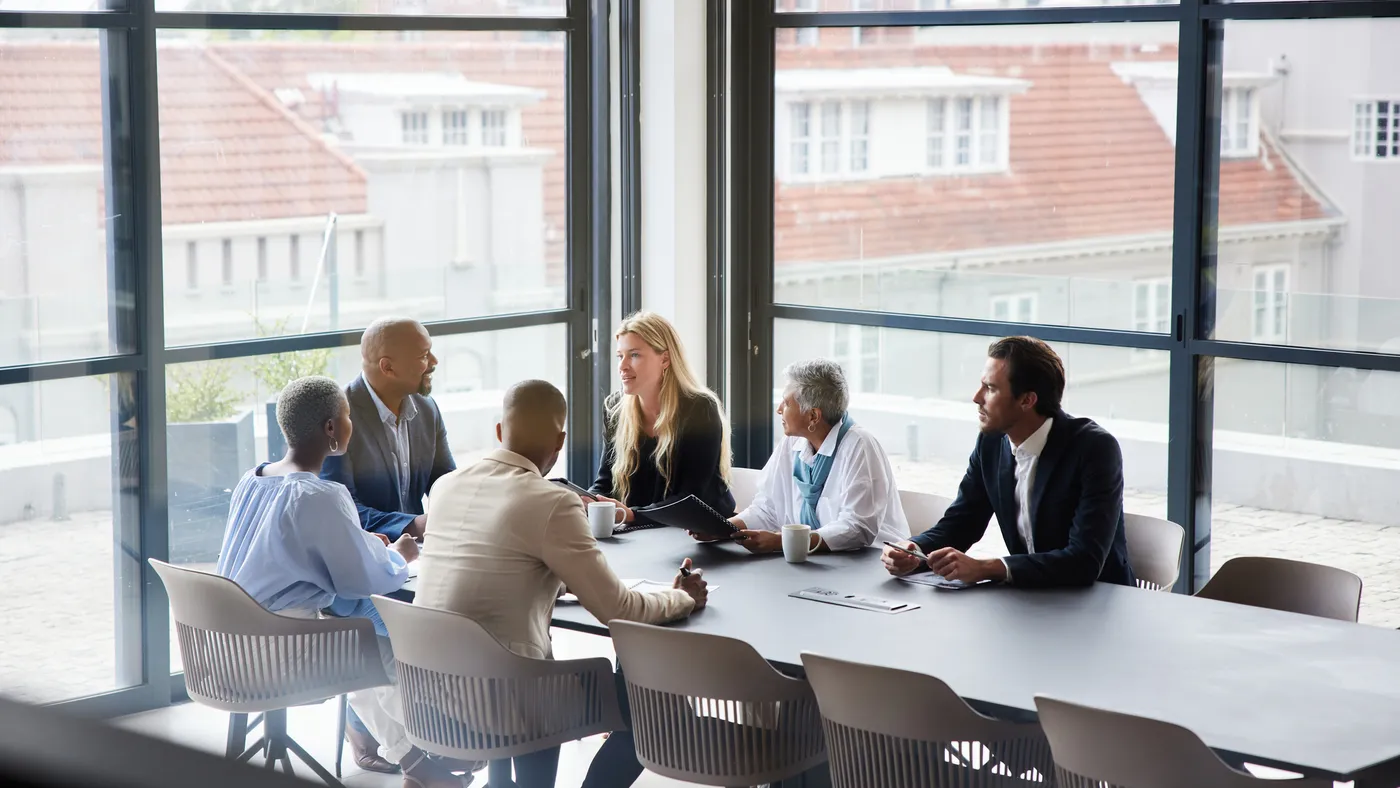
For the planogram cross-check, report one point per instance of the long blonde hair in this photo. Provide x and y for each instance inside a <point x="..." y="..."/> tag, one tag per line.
<point x="625" y="412"/>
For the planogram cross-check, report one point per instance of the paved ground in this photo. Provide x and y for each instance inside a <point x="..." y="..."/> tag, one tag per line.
<point x="59" y="620"/>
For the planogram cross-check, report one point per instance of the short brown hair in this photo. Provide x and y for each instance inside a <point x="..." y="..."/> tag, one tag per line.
<point x="1031" y="365"/>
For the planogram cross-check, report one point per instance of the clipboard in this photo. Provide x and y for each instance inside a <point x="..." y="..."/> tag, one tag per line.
<point x="691" y="514"/>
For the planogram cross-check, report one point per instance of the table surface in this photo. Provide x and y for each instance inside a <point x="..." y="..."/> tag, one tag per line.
<point x="1315" y="695"/>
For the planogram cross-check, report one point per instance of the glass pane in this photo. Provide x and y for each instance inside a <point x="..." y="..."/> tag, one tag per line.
<point x="1305" y="465"/>
<point x="69" y="472"/>
<point x="264" y="139"/>
<point x="59" y="296"/>
<point x="946" y="5"/>
<point x="222" y="417"/>
<point x="923" y="415"/>
<point x="1007" y="159"/>
<point x="1316" y="204"/>
<point x="407" y="7"/>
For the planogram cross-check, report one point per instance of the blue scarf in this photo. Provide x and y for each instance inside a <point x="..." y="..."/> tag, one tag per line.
<point x="812" y="478"/>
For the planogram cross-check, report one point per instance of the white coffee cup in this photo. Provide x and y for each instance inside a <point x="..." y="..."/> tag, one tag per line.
<point x="602" y="515"/>
<point x="797" y="543"/>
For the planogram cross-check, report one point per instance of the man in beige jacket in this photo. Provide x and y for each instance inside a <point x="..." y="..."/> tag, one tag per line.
<point x="504" y="538"/>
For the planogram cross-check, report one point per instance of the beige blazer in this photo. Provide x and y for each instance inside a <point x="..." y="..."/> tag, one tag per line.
<point x="501" y="539"/>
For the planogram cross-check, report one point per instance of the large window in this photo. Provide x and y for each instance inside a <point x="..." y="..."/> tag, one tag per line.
<point x="1240" y="279"/>
<point x="191" y="217"/>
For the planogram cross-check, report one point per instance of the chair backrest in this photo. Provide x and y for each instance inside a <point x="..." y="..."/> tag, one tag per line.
<point x="922" y="510"/>
<point x="880" y="721"/>
<point x="1154" y="550"/>
<point x="709" y="710"/>
<point x="1094" y="748"/>
<point x="467" y="696"/>
<point x="743" y="483"/>
<point x="239" y="657"/>
<point x="1284" y="584"/>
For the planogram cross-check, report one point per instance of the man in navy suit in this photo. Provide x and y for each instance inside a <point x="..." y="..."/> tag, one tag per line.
<point x="398" y="448"/>
<point x="1054" y="482"/>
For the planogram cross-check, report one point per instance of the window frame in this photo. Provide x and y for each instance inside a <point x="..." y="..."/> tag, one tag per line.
<point x="976" y="134"/>
<point x="815" y="144"/>
<point x="1365" y="129"/>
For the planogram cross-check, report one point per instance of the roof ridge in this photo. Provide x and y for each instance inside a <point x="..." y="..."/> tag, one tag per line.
<point x="278" y="107"/>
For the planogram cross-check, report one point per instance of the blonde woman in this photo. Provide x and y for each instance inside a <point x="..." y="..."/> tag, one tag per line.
<point x="667" y="436"/>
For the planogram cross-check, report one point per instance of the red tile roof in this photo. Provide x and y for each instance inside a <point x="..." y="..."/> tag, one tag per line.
<point x="1087" y="160"/>
<point x="481" y="57"/>
<point x="229" y="151"/>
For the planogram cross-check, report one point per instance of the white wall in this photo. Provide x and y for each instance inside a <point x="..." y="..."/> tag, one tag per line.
<point x="673" y="100"/>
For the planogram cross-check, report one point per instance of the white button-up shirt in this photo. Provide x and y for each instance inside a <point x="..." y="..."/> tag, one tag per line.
<point x="1027" y="457"/>
<point x="396" y="430"/>
<point x="858" y="504"/>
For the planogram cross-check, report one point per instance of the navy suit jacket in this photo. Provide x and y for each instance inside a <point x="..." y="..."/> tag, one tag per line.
<point x="367" y="466"/>
<point x="1076" y="507"/>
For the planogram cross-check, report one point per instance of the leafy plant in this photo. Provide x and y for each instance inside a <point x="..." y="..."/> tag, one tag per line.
<point x="200" y="392"/>
<point x="274" y="372"/>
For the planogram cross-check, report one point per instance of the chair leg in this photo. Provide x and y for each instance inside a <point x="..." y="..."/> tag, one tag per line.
<point x="237" y="735"/>
<point x="275" y="730"/>
<point x="499" y="774"/>
<point x="306" y="758"/>
<point x="340" y="734"/>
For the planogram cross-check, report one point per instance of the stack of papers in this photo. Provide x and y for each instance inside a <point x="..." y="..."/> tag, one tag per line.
<point x="935" y="580"/>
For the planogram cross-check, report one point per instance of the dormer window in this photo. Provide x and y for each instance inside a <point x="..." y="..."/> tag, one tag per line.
<point x="456" y="127"/>
<point x="1239" y="133"/>
<point x="493" y="128"/>
<point x="967" y="134"/>
<point x="415" y="127"/>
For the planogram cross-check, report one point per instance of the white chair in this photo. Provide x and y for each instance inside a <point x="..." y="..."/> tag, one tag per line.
<point x="709" y="710"/>
<point x="1284" y="584"/>
<point x="1154" y="550"/>
<point x="896" y="729"/>
<point x="466" y="696"/>
<point x="1094" y="748"/>
<point x="242" y="659"/>
<point x="922" y="509"/>
<point x="744" y="485"/>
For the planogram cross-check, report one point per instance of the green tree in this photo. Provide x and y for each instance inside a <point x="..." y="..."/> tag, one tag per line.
<point x="274" y="372"/>
<point x="202" y="391"/>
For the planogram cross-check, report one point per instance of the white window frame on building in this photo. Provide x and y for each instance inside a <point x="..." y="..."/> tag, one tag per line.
<point x="1375" y="129"/>
<point x="495" y="127"/>
<point x="1239" y="123"/>
<point x="414" y="127"/>
<point x="806" y="36"/>
<point x="226" y="263"/>
<point x="967" y="134"/>
<point x="858" y="349"/>
<point x="1268" y="312"/>
<point x="1014" y="307"/>
<point x="828" y="139"/>
<point x="456" y="126"/>
<point x="262" y="258"/>
<point x="191" y="265"/>
<point x="1152" y="305"/>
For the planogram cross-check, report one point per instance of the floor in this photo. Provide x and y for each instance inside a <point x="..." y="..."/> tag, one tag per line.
<point x="314" y="727"/>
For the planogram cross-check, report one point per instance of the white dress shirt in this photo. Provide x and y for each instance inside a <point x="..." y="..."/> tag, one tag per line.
<point x="1027" y="457"/>
<point x="396" y="430"/>
<point x="858" y="505"/>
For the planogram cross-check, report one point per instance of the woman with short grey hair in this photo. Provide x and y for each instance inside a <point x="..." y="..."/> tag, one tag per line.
<point x="828" y="472"/>
<point x="293" y="541"/>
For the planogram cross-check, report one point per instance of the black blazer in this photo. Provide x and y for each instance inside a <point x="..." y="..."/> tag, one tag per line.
<point x="1076" y="507"/>
<point x="367" y="467"/>
<point x="694" y="463"/>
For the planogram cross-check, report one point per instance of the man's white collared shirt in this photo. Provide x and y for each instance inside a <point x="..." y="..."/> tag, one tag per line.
<point x="396" y="430"/>
<point x="1027" y="457"/>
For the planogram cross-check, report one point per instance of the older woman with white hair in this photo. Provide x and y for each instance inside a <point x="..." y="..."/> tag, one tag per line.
<point x="828" y="473"/>
<point x="293" y="541"/>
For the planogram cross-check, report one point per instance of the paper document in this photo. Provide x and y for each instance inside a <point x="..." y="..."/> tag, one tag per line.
<point x="412" y="568"/>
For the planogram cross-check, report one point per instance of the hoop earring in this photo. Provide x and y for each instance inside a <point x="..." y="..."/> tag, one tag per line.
<point x="811" y="428"/>
<point x="335" y="446"/>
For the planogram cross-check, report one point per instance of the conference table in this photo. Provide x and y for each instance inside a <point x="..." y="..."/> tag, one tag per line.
<point x="1301" y="693"/>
